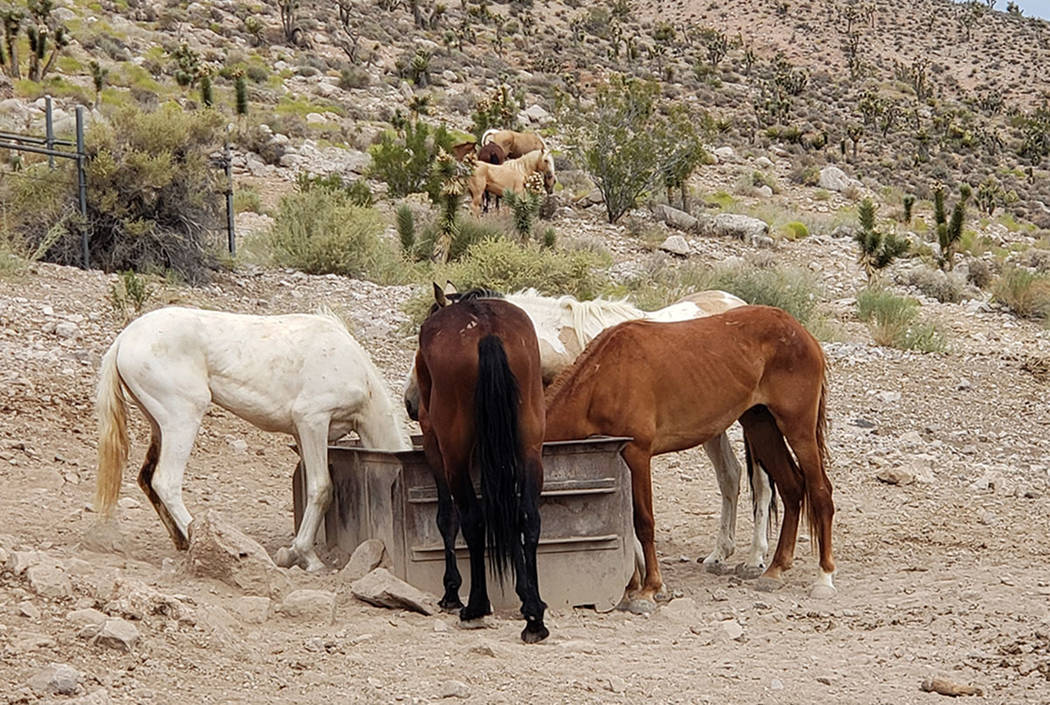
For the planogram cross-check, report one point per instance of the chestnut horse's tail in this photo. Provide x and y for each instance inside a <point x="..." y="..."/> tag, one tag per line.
<point x="498" y="452"/>
<point x="822" y="446"/>
<point x="112" y="432"/>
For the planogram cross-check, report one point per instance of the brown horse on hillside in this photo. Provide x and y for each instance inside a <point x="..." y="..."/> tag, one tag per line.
<point x="464" y="149"/>
<point x="515" y="144"/>
<point x="509" y="176"/>
<point x="672" y="386"/>
<point x="481" y="405"/>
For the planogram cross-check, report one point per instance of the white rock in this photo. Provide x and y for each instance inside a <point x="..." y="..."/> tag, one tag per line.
<point x="453" y="689"/>
<point x="675" y="218"/>
<point x="57" y="678"/>
<point x="318" y="605"/>
<point x="366" y="557"/>
<point x="764" y="163"/>
<point x="315" y="119"/>
<point x="86" y="617"/>
<point x="49" y="580"/>
<point x="220" y="550"/>
<point x="676" y="245"/>
<point x="118" y="633"/>
<point x="732" y="629"/>
<point x="725" y="155"/>
<point x="382" y="588"/>
<point x="834" y="179"/>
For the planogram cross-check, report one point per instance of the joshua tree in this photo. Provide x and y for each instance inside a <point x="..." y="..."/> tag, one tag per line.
<point x="12" y="20"/>
<point x="877" y="249"/>
<point x="240" y="90"/>
<point x="909" y="203"/>
<point x="98" y="78"/>
<point x="949" y="232"/>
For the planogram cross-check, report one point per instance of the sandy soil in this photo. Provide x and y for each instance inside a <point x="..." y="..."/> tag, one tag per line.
<point x="945" y="576"/>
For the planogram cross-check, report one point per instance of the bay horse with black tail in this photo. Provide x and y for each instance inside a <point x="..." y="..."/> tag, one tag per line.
<point x="481" y="405"/>
<point x="673" y="386"/>
<point x="515" y="144"/>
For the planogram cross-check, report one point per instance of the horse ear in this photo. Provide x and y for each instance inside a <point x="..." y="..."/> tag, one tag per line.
<point x="439" y="296"/>
<point x="450" y="288"/>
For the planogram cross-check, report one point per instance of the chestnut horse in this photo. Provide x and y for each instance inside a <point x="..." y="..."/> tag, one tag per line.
<point x="672" y="386"/>
<point x="509" y="176"/>
<point x="481" y="404"/>
<point x="464" y="149"/>
<point x="515" y="144"/>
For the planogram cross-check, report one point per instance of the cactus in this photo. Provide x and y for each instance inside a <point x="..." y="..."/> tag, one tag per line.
<point x="949" y="231"/>
<point x="909" y="203"/>
<point x="206" y="93"/>
<point x="12" y="20"/>
<point x="877" y="249"/>
<point x="98" y="79"/>
<point x="240" y="89"/>
<point x="406" y="228"/>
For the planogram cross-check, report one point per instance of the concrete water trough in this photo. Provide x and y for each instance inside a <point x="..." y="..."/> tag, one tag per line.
<point x="586" y="550"/>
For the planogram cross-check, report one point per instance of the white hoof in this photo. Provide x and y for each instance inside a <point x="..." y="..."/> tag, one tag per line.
<point x="765" y="584"/>
<point x="820" y="591"/>
<point x="285" y="558"/>
<point x="749" y="572"/>
<point x="640" y="606"/>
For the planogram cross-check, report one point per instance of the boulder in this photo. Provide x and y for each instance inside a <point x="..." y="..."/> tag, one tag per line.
<point x="314" y="605"/>
<point x="219" y="550"/>
<point x="742" y="227"/>
<point x="764" y="163"/>
<point x="676" y="245"/>
<point x="49" y="580"/>
<point x="674" y="217"/>
<point x="56" y="679"/>
<point x="87" y="617"/>
<point x="366" y="557"/>
<point x="536" y="114"/>
<point x="834" y="179"/>
<point x="382" y="588"/>
<point x="725" y="155"/>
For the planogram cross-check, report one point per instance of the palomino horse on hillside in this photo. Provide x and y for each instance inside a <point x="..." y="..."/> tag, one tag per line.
<point x="672" y="386"/>
<point x="304" y="375"/>
<point x="515" y="144"/>
<point x="509" y="176"/>
<point x="564" y="326"/>
<point x="481" y="403"/>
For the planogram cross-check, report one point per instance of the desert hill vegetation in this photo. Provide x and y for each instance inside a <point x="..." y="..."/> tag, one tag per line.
<point x="921" y="133"/>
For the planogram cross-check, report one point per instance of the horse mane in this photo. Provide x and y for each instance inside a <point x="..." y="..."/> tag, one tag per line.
<point x="588" y="318"/>
<point x="478" y="292"/>
<point x="325" y="311"/>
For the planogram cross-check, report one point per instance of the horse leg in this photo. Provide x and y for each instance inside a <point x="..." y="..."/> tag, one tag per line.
<point x="448" y="525"/>
<point x="727" y="471"/>
<point x="162" y="480"/>
<point x="767" y="447"/>
<point x="472" y="522"/>
<point x="312" y="439"/>
<point x="527" y="584"/>
<point x="761" y="505"/>
<point x="146" y="484"/>
<point x="820" y="508"/>
<point x="638" y="460"/>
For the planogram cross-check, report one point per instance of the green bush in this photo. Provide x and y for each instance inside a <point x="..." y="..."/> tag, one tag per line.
<point x="246" y="198"/>
<point x="894" y="322"/>
<point x="356" y="192"/>
<point x="405" y="160"/>
<point x="321" y="232"/>
<point x="1024" y="292"/>
<point x="507" y="266"/>
<point x="795" y="230"/>
<point x="468" y="232"/>
<point x="946" y="287"/>
<point x="153" y="195"/>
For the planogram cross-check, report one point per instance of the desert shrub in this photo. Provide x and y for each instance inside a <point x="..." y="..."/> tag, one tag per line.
<point x="1023" y="291"/>
<point x="404" y="160"/>
<point x="129" y="294"/>
<point x="356" y="191"/>
<point x="405" y="221"/>
<point x="980" y="273"/>
<point x="795" y="230"/>
<point x="506" y="266"/>
<point x="354" y="77"/>
<point x="152" y="198"/>
<point x="624" y="142"/>
<point x="319" y="231"/>
<point x="523" y="208"/>
<point x="246" y="198"/>
<point x="894" y="321"/>
<point x="468" y="232"/>
<point x="946" y="287"/>
<point x="498" y="111"/>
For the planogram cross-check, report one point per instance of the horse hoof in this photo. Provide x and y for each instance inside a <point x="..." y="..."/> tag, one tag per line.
<point x="820" y="591"/>
<point x="748" y="572"/>
<point x="534" y="632"/>
<point x="715" y="566"/>
<point x="765" y="584"/>
<point x="285" y="558"/>
<point x="471" y="613"/>
<point x="662" y="596"/>
<point x="448" y="605"/>
<point x="641" y="606"/>
<point x="476" y="623"/>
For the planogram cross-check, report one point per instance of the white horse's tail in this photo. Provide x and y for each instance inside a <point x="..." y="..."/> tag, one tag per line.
<point x="112" y="432"/>
<point x="486" y="135"/>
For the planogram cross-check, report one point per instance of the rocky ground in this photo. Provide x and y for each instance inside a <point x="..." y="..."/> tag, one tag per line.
<point x="941" y="468"/>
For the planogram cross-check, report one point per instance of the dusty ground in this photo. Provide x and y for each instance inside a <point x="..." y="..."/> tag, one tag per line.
<point x="945" y="576"/>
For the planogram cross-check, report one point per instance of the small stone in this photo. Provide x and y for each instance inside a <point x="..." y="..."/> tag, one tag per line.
<point x="366" y="557"/>
<point x="65" y="329"/>
<point x="85" y="617"/>
<point x="676" y="218"/>
<point x="440" y="626"/>
<point x="219" y="550"/>
<point x="616" y="684"/>
<point x="733" y="630"/>
<point x="453" y="689"/>
<point x="118" y="633"/>
<point x="57" y="678"/>
<point x="895" y="476"/>
<point x="49" y="581"/>
<point x="238" y="445"/>
<point x="964" y="385"/>
<point x="776" y="684"/>
<point x="888" y="397"/>
<point x="676" y="245"/>
<point x="382" y="588"/>
<point x="988" y="518"/>
<point x="128" y="503"/>
<point x="28" y="609"/>
<point x="316" y="605"/>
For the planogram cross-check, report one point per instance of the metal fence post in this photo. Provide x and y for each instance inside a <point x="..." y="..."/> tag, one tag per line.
<point x="82" y="186"/>
<point x="50" y="138"/>
<point x="230" y="235"/>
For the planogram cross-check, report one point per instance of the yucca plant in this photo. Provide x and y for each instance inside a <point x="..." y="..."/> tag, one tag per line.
<point x="877" y="249"/>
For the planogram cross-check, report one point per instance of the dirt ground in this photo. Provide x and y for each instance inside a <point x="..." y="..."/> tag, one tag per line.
<point x="945" y="576"/>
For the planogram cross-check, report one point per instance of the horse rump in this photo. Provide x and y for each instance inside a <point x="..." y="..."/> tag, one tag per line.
<point x="498" y="452"/>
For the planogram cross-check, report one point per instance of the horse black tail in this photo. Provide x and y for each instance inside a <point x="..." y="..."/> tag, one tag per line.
<point x="771" y="509"/>
<point x="498" y="452"/>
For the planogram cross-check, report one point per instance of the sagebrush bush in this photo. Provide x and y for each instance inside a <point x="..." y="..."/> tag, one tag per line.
<point x="153" y="195"/>
<point x="1024" y="292"/>
<point x="318" y="231"/>
<point x="507" y="266"/>
<point x="894" y="321"/>
<point x="946" y="287"/>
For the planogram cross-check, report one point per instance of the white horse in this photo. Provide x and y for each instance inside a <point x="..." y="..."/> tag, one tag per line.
<point x="564" y="326"/>
<point x="304" y="375"/>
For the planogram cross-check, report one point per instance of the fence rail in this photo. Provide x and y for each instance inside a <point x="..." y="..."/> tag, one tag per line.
<point x="49" y="145"/>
